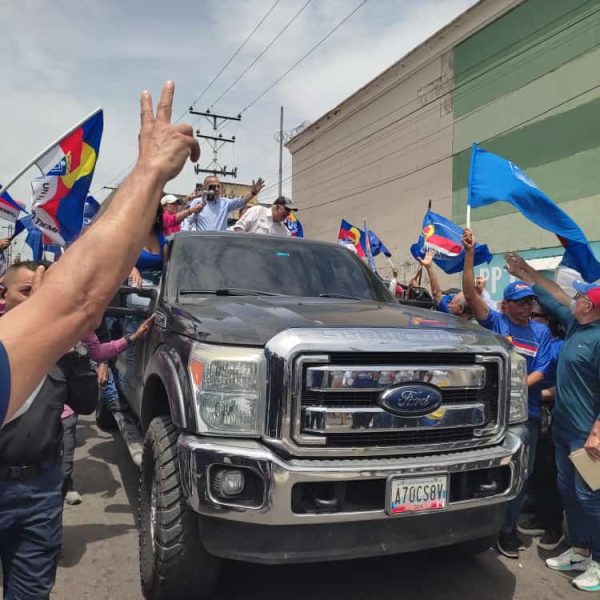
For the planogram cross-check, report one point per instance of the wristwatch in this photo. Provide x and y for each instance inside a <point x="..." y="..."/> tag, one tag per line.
<point x="130" y="341"/>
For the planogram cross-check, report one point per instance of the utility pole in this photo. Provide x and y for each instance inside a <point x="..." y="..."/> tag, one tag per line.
<point x="280" y="188"/>
<point x="216" y="142"/>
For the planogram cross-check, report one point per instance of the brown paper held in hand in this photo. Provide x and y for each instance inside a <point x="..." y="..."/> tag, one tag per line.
<point x="588" y="469"/>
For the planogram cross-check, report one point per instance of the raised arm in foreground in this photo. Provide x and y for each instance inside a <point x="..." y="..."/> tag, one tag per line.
<point x="73" y="295"/>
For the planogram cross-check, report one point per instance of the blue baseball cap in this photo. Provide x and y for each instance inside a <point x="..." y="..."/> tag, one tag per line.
<point x="517" y="290"/>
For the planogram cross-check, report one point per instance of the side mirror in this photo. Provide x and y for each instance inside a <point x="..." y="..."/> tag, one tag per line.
<point x="126" y="302"/>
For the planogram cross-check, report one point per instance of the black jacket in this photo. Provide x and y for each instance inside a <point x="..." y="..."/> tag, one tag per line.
<point x="36" y="435"/>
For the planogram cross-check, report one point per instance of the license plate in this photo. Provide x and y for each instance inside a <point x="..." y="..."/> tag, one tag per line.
<point x="417" y="494"/>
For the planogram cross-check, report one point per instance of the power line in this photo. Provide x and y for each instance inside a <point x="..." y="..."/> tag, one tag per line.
<point x="378" y="184"/>
<point x="425" y="106"/>
<point x="214" y="79"/>
<point x="262" y="53"/>
<point x="233" y="56"/>
<point x="406" y="148"/>
<point x="304" y="56"/>
<point x="433" y="102"/>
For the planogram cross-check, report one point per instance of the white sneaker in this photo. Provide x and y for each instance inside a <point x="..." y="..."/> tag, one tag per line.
<point x="72" y="497"/>
<point x="569" y="560"/>
<point x="589" y="581"/>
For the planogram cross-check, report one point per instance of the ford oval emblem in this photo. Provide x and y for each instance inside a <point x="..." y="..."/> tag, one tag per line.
<point x="411" y="399"/>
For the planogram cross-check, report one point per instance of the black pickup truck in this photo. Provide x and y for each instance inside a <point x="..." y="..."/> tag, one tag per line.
<point x="285" y="408"/>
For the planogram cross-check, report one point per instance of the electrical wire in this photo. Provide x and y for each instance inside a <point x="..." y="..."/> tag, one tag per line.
<point x="381" y="183"/>
<point x="399" y="151"/>
<point x="262" y="53"/>
<point x="232" y="57"/>
<point x="364" y="141"/>
<point x="285" y="73"/>
<point x="229" y="61"/>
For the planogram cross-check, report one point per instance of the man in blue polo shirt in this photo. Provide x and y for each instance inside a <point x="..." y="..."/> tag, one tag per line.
<point x="530" y="339"/>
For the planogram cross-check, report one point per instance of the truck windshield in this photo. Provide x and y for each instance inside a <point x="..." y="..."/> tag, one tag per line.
<point x="205" y="264"/>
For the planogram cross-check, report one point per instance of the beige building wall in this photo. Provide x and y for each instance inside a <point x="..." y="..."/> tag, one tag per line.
<point x="386" y="151"/>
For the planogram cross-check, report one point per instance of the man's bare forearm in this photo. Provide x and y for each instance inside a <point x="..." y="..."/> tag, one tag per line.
<point x="75" y="291"/>
<point x="434" y="282"/>
<point x="550" y="286"/>
<point x="77" y="288"/>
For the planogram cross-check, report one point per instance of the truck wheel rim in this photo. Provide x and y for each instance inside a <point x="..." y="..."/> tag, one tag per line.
<point x="153" y="514"/>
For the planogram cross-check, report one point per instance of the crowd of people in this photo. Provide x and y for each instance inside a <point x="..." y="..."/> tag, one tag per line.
<point x="46" y="384"/>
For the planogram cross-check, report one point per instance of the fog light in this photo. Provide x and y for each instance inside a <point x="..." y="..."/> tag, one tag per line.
<point x="228" y="483"/>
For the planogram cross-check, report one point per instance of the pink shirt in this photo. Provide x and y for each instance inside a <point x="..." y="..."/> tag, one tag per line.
<point x="170" y="224"/>
<point x="101" y="352"/>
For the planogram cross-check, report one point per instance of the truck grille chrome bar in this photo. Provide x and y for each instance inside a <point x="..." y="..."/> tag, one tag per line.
<point x="336" y="400"/>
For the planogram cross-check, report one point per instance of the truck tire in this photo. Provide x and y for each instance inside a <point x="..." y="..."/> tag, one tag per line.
<point x="173" y="561"/>
<point x="104" y="417"/>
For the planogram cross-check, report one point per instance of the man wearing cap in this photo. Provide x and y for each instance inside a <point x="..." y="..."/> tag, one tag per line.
<point x="530" y="339"/>
<point x="174" y="214"/>
<point x="215" y="211"/>
<point x="576" y="415"/>
<point x="267" y="219"/>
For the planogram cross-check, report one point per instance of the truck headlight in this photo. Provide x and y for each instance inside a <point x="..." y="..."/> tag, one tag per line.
<point x="518" y="412"/>
<point x="229" y="387"/>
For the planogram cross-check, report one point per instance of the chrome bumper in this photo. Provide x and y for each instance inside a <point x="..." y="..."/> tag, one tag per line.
<point x="197" y="455"/>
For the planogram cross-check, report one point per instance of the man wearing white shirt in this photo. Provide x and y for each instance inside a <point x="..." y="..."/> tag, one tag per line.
<point x="267" y="219"/>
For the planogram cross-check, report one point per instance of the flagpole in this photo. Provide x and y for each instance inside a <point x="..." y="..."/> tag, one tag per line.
<point x="468" y="216"/>
<point x="47" y="149"/>
<point x="370" y="258"/>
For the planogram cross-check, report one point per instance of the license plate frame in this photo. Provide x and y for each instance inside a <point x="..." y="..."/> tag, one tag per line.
<point x="411" y="508"/>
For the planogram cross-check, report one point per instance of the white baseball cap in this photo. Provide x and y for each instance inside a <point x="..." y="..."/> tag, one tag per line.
<point x="168" y="199"/>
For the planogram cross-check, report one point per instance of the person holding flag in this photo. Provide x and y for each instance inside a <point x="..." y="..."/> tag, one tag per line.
<point x="530" y="339"/>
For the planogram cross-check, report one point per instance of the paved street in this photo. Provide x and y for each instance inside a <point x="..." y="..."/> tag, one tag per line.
<point x="100" y="558"/>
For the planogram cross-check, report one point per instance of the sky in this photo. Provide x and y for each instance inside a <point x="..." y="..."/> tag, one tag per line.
<point x="62" y="59"/>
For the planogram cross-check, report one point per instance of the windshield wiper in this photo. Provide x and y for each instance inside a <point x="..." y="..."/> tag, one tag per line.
<point x="227" y="292"/>
<point x="342" y="296"/>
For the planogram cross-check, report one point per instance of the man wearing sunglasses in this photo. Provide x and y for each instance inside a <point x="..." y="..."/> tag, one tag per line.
<point x="530" y="339"/>
<point x="576" y="415"/>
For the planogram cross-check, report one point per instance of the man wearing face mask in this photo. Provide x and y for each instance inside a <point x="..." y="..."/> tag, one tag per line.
<point x="530" y="339"/>
<point x="213" y="216"/>
<point x="576" y="415"/>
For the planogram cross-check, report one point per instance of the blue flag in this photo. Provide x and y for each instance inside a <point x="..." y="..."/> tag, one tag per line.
<point x="34" y="236"/>
<point x="493" y="179"/>
<point x="445" y="238"/>
<point x="377" y="246"/>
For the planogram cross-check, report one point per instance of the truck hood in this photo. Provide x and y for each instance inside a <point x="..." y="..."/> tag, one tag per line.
<point x="254" y="320"/>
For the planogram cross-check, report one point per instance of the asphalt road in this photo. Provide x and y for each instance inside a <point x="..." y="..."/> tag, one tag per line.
<point x="100" y="557"/>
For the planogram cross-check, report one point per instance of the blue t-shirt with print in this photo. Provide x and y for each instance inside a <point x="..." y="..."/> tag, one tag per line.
<point x="4" y="382"/>
<point x="533" y="342"/>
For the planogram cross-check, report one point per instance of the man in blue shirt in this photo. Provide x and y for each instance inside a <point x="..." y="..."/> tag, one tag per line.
<point x="576" y="416"/>
<point x="213" y="217"/>
<point x="530" y="339"/>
